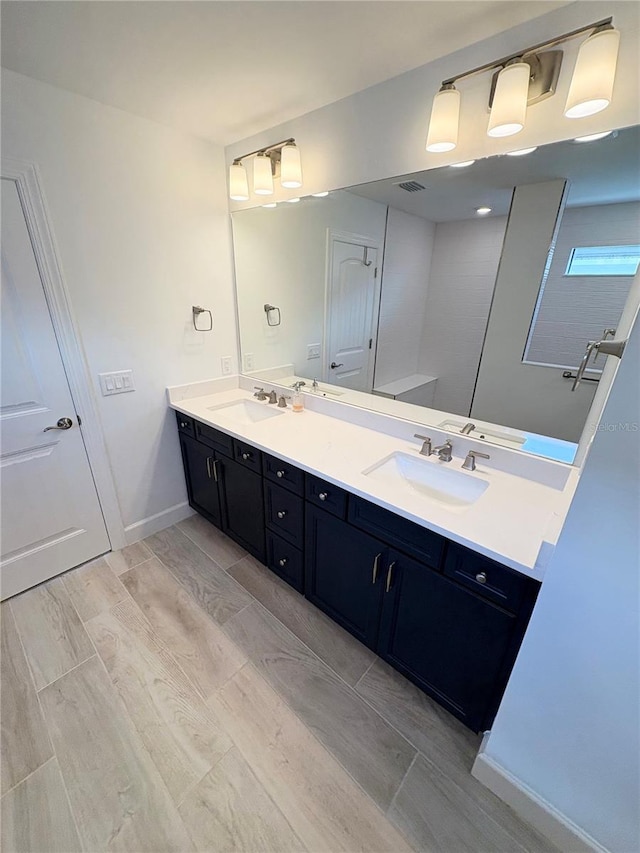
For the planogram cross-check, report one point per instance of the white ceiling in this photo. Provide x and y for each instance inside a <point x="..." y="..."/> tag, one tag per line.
<point x="225" y="70"/>
<point x="606" y="171"/>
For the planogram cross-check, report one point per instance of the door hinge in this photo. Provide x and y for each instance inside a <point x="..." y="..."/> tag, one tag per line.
<point x="79" y="419"/>
<point x="375" y="272"/>
<point x="370" y="342"/>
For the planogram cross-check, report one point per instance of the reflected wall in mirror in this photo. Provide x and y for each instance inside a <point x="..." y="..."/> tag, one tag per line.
<point x="402" y="296"/>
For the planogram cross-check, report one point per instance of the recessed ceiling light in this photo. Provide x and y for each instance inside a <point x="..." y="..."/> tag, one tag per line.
<point x="482" y="211"/>
<point x="521" y="152"/>
<point x="320" y="195"/>
<point x="593" y="136"/>
<point x="463" y="164"/>
<point x="271" y="204"/>
<point x="293" y="200"/>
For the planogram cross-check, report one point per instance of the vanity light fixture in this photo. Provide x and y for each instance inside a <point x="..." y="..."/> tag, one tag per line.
<point x="521" y="152"/>
<point x="592" y="137"/>
<point x="462" y="164"/>
<point x="482" y="211"/>
<point x="320" y="195"/>
<point x="280" y="160"/>
<point x="528" y="77"/>
<point x="270" y="204"/>
<point x="293" y="200"/>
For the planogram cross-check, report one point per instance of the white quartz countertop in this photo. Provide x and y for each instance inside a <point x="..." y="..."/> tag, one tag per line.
<point x="516" y="521"/>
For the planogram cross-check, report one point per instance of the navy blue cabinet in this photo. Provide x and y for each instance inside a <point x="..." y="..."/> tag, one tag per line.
<point x="447" y="618"/>
<point x="242" y="505"/>
<point x="343" y="573"/>
<point x="200" y="466"/>
<point x="451" y="642"/>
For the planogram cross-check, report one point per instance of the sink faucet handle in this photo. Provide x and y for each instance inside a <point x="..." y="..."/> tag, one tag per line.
<point x="260" y="393"/>
<point x="469" y="463"/>
<point x="273" y="397"/>
<point x="425" y="450"/>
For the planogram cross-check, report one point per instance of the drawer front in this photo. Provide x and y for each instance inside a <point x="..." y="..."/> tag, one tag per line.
<point x="285" y="561"/>
<point x="326" y="496"/>
<point x="283" y="474"/>
<point x="247" y="455"/>
<point x="491" y="580"/>
<point x="214" y="438"/>
<point x="185" y="424"/>
<point x="284" y="513"/>
<point x="403" y="534"/>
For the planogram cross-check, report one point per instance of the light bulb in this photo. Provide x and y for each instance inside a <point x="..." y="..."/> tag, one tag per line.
<point x="262" y="177"/>
<point x="482" y="211"/>
<point x="591" y="86"/>
<point x="238" y="184"/>
<point x="509" y="106"/>
<point x="290" y="167"/>
<point x="444" y="121"/>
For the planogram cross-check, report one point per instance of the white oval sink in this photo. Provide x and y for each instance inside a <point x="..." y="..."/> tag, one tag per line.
<point x="429" y="479"/>
<point x="246" y="412"/>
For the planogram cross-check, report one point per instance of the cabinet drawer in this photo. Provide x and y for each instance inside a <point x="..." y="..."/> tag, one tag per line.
<point x="324" y="495"/>
<point x="284" y="513"/>
<point x="214" y="438"/>
<point x="285" y="561"/>
<point x="247" y="455"/>
<point x="405" y="535"/>
<point x="185" y="424"/>
<point x="283" y="474"/>
<point x="491" y="580"/>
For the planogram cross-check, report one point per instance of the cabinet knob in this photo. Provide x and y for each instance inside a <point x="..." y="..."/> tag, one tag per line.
<point x="283" y="562"/>
<point x="246" y="456"/>
<point x="481" y="577"/>
<point x="280" y="474"/>
<point x="323" y="496"/>
<point x="282" y="513"/>
<point x="183" y="424"/>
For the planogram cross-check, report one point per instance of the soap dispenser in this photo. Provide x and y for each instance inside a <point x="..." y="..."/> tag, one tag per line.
<point x="297" y="401"/>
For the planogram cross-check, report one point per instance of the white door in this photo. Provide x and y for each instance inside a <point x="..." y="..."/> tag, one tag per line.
<point x="50" y="515"/>
<point x="352" y="315"/>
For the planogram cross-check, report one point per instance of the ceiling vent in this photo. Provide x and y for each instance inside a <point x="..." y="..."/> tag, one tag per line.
<point x="411" y="186"/>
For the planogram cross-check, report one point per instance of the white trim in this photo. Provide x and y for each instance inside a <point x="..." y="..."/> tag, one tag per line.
<point x="147" y="526"/>
<point x="27" y="180"/>
<point x="532" y="808"/>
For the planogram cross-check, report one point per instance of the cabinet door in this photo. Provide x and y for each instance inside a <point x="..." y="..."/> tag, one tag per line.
<point x="200" y="472"/>
<point x="443" y="637"/>
<point x="343" y="573"/>
<point x="242" y="506"/>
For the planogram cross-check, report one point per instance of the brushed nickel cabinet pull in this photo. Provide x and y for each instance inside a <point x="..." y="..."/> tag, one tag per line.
<point x="481" y="577"/>
<point x="323" y="496"/>
<point x="282" y="513"/>
<point x="389" y="576"/>
<point x="209" y="474"/>
<point x="283" y="562"/>
<point x="376" y="563"/>
<point x="215" y="469"/>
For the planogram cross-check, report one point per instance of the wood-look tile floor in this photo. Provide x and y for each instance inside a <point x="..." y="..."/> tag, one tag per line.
<point x="177" y="696"/>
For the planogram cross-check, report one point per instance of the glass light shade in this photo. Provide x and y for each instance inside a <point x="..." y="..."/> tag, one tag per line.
<point x="593" y="137"/>
<point x="510" y="100"/>
<point x="262" y="177"/>
<point x="463" y="164"/>
<point x="290" y="167"/>
<point x="591" y="86"/>
<point x="238" y="184"/>
<point x="521" y="152"/>
<point x="443" y="124"/>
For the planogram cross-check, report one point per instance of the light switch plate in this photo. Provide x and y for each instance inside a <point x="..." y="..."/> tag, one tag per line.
<point x="116" y="382"/>
<point x="248" y="361"/>
<point x="313" y="351"/>
<point x="225" y="363"/>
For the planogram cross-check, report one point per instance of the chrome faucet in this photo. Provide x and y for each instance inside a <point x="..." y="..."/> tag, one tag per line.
<point x="469" y="463"/>
<point x="425" y="450"/>
<point x="467" y="428"/>
<point x="444" y="451"/>
<point x="273" y="397"/>
<point x="260" y="393"/>
<point x="298" y="385"/>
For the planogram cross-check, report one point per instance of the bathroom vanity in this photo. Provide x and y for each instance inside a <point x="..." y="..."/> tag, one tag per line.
<point x="443" y="614"/>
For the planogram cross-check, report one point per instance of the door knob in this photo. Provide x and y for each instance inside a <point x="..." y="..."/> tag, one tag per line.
<point x="333" y="365"/>
<point x="63" y="423"/>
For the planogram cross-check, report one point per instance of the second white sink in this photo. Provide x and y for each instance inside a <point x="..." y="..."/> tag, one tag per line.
<point x="246" y="412"/>
<point x="430" y="479"/>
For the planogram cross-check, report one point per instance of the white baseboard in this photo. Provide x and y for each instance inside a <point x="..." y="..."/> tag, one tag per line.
<point x="141" y="529"/>
<point x="532" y="808"/>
